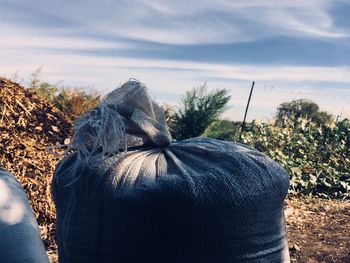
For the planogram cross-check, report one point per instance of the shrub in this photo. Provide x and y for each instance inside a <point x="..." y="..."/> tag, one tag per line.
<point x="224" y="130"/>
<point x="71" y="101"/>
<point x="302" y="108"/>
<point x="317" y="158"/>
<point x="199" y="109"/>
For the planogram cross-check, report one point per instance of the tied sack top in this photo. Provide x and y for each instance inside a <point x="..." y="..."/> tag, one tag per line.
<point x="125" y="193"/>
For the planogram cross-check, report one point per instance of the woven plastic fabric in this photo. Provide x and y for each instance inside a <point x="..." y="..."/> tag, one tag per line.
<point x="19" y="232"/>
<point x="198" y="200"/>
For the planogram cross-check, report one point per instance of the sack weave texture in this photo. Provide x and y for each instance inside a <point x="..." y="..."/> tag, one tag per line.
<point x="126" y="193"/>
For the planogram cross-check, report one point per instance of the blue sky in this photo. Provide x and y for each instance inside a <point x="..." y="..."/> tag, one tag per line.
<point x="292" y="49"/>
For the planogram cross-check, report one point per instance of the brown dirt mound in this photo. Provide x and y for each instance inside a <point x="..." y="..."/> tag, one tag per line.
<point x="27" y="125"/>
<point x="318" y="229"/>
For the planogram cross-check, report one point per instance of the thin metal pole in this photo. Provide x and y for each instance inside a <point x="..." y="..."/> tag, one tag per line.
<point x="246" y="109"/>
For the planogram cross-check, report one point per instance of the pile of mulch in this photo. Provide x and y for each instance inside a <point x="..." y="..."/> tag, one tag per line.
<point x="28" y="124"/>
<point x="318" y="229"/>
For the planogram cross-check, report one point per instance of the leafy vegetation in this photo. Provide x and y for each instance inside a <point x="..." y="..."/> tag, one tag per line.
<point x="307" y="142"/>
<point x="224" y="130"/>
<point x="71" y="101"/>
<point x="303" y="108"/>
<point x="198" y="110"/>
<point x="316" y="158"/>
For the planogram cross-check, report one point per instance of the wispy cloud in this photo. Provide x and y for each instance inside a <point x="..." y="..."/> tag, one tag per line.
<point x="18" y="38"/>
<point x="168" y="79"/>
<point x="242" y="72"/>
<point x="180" y="22"/>
<point x="291" y="48"/>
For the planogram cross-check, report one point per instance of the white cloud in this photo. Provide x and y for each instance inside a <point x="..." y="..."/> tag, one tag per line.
<point x="33" y="35"/>
<point x="168" y="79"/>
<point x="195" y="22"/>
<point x="283" y="73"/>
<point x="15" y="37"/>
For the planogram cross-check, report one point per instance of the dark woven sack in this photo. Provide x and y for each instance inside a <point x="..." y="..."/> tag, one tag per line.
<point x="19" y="232"/>
<point x="125" y="193"/>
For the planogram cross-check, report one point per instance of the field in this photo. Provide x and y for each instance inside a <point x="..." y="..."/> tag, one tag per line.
<point x="318" y="229"/>
<point x="317" y="209"/>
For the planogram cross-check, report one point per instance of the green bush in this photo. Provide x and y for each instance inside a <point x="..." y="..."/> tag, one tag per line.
<point x="303" y="108"/>
<point x="315" y="153"/>
<point x="70" y="101"/>
<point x="224" y="130"/>
<point x="317" y="158"/>
<point x="199" y="109"/>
